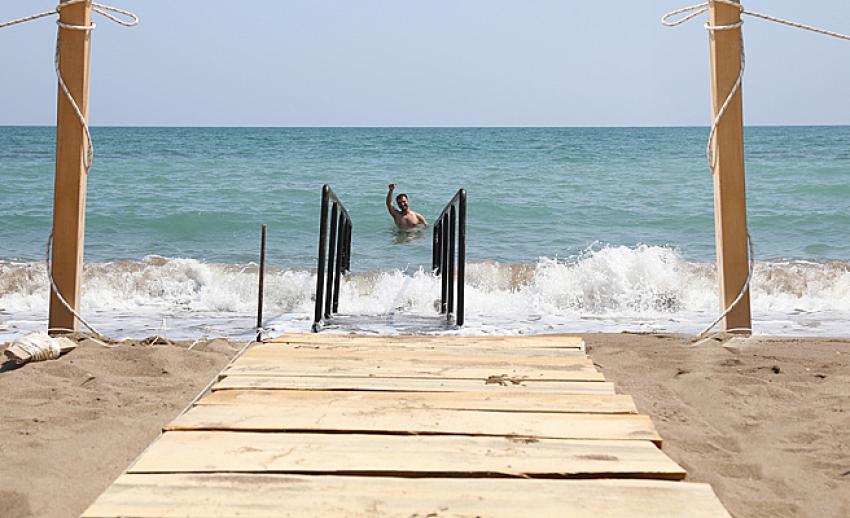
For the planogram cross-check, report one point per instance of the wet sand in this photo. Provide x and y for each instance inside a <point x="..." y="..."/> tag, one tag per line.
<point x="765" y="421"/>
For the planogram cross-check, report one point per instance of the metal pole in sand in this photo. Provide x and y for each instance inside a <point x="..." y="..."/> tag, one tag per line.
<point x="730" y="203"/>
<point x="261" y="282"/>
<point x="69" y="199"/>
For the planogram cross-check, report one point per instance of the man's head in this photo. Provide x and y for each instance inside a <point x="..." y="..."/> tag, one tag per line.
<point x="401" y="200"/>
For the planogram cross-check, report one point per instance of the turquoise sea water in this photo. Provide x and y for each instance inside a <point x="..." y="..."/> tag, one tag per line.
<point x="619" y="216"/>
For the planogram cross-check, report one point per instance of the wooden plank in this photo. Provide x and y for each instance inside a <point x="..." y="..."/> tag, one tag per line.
<point x="516" y="375"/>
<point x="199" y="452"/>
<point x="415" y="361"/>
<point x="500" y="386"/>
<point x="366" y="401"/>
<point x="69" y="193"/>
<point x="414" y="357"/>
<point x="343" y="350"/>
<point x="730" y="199"/>
<point x="564" y="341"/>
<point x="275" y="496"/>
<point x="518" y="341"/>
<point x="415" y="369"/>
<point x="418" y="421"/>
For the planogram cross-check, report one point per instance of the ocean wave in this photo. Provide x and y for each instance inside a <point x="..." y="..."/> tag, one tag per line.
<point x="620" y="286"/>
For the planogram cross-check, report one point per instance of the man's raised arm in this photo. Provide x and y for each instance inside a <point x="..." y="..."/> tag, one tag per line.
<point x="390" y="208"/>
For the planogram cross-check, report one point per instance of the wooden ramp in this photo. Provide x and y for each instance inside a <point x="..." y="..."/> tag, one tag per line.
<point x="414" y="426"/>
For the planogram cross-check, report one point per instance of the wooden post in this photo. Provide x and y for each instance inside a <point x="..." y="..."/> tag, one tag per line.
<point x="69" y="198"/>
<point x="730" y="204"/>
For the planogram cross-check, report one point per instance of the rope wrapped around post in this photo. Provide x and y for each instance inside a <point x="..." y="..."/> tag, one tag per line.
<point x="688" y="13"/>
<point x="111" y="13"/>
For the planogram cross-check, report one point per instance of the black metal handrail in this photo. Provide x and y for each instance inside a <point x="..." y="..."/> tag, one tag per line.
<point x="336" y="253"/>
<point x="450" y="228"/>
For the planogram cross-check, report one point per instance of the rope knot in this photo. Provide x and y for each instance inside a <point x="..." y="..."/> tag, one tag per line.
<point x="112" y="13"/>
<point x="736" y="25"/>
<point x="68" y="26"/>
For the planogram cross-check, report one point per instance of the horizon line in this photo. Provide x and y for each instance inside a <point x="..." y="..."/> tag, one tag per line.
<point x="261" y="126"/>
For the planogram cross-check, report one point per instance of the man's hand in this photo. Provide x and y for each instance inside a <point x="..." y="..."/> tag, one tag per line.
<point x="390" y="207"/>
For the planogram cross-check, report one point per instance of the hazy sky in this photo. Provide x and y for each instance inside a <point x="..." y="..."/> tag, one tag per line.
<point x="426" y="62"/>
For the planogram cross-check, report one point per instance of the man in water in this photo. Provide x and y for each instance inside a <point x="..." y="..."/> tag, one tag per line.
<point x="405" y="218"/>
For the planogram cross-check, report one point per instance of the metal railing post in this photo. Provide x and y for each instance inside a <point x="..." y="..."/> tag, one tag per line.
<point x="331" y="261"/>
<point x="435" y="252"/>
<point x="320" y="270"/>
<point x="334" y="256"/>
<point x="444" y="262"/>
<point x="450" y="273"/>
<point x="461" y="259"/>
<point x="448" y="256"/>
<point x="347" y="245"/>
<point x="340" y="261"/>
<point x="260" y="289"/>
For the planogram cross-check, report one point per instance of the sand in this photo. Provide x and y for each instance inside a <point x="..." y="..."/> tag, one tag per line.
<point x="70" y="426"/>
<point x="765" y="421"/>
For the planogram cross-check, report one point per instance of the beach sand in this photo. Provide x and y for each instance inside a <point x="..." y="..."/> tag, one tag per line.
<point x="70" y="426"/>
<point x="765" y="421"/>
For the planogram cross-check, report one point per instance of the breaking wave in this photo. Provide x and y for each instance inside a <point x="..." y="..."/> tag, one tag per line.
<point x="609" y="289"/>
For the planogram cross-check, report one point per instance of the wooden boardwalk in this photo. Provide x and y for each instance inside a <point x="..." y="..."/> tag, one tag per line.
<point x="414" y="426"/>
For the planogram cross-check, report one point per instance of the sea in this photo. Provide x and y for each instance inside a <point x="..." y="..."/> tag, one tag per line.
<point x="569" y="229"/>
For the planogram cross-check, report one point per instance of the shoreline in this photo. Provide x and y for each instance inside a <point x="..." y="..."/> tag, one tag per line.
<point x="614" y="288"/>
<point x="764" y="420"/>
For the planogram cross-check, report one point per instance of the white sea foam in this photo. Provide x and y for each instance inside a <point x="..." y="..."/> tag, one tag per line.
<point x="609" y="289"/>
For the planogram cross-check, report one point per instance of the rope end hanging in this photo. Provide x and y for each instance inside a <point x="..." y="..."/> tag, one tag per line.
<point x="710" y="149"/>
